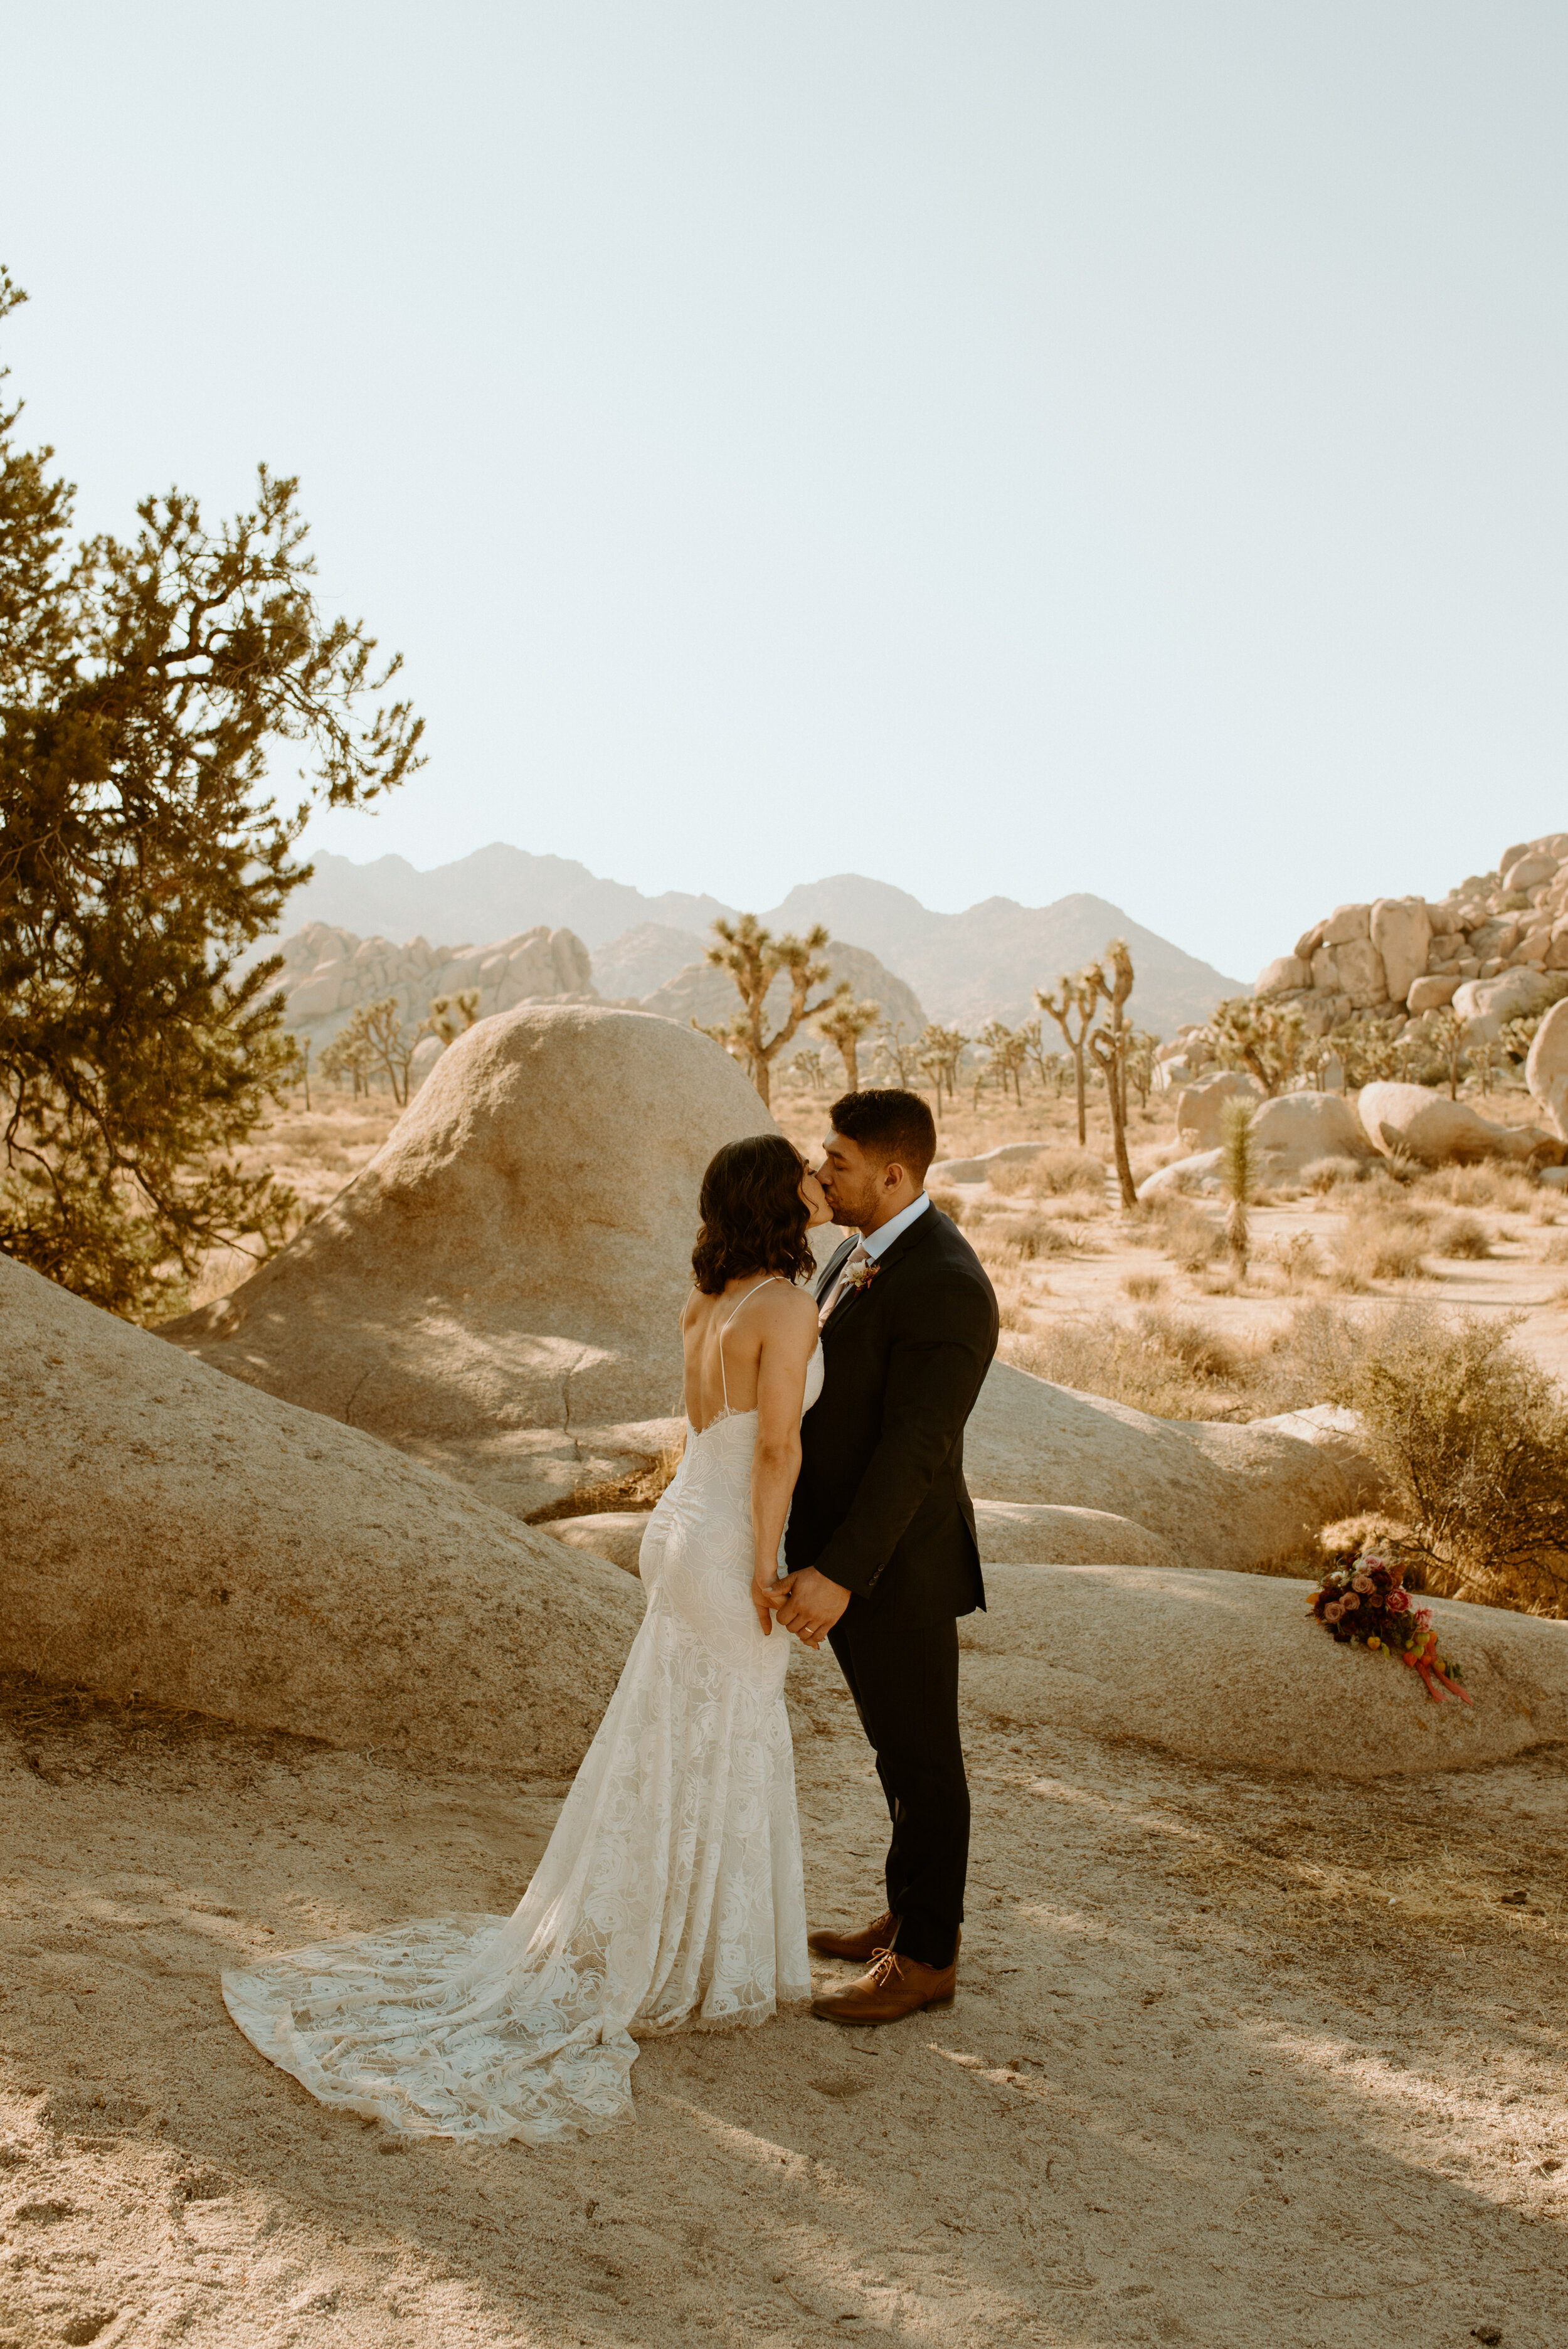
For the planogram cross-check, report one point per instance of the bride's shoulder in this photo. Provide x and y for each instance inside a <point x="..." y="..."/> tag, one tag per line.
<point x="791" y="1308"/>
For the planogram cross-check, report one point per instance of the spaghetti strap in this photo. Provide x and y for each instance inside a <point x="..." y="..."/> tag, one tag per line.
<point x="725" y="1324"/>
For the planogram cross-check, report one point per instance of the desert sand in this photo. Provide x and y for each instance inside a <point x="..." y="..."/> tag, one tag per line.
<point x="1233" y="2061"/>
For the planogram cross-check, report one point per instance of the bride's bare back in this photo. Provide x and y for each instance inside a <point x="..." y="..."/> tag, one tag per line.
<point x="746" y="1349"/>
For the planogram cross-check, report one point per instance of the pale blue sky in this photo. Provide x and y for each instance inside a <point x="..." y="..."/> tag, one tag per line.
<point x="997" y="447"/>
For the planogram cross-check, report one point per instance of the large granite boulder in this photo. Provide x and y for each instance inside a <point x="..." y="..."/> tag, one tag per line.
<point x="1402" y="933"/>
<point x="1546" y="1070"/>
<point x="497" y="1292"/>
<point x="1215" y="1494"/>
<point x="1418" y="1122"/>
<point x="180" y="1536"/>
<point x="1228" y="1669"/>
<point x="1487" y="1005"/>
<point x="1200" y="1109"/>
<point x="1294" y="1129"/>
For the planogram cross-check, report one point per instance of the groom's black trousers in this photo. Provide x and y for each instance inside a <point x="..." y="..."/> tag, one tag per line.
<point x="904" y="1683"/>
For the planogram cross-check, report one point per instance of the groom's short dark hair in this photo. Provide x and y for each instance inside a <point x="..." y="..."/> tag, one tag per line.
<point x="888" y="1123"/>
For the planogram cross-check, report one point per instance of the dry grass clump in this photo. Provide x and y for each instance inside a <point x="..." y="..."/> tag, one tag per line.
<point x="1039" y="1235"/>
<point x="1556" y="1249"/>
<point x="1472" y="1440"/>
<point x="1326" y="1174"/>
<point x="1175" y="1365"/>
<point x="949" y="1201"/>
<point x="1461" y="1235"/>
<point x="1143" y="1288"/>
<point x="1489" y="1184"/>
<point x="1191" y="1239"/>
<point x="1382" y="1239"/>
<point x="1051" y="1173"/>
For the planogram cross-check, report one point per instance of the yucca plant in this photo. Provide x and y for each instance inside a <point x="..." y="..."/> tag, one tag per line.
<point x="1238" y="1174"/>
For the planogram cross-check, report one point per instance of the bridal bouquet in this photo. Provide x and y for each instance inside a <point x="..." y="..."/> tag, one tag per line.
<point x="1364" y="1599"/>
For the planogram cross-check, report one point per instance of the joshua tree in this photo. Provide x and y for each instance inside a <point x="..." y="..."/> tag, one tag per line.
<point x="903" y="1058"/>
<point x="1238" y="1172"/>
<point x="809" y="1066"/>
<point x="1445" y="1034"/>
<point x="1078" y="994"/>
<point x="1049" y="1067"/>
<point x="754" y="958"/>
<point x="376" y="1036"/>
<point x="348" y="1055"/>
<point x="1268" y="1039"/>
<point x="843" y="1023"/>
<point x="451" y="1015"/>
<point x="1008" y="1049"/>
<point x="941" y="1051"/>
<point x="302" y="1063"/>
<point x="1138" y="1065"/>
<point x="1109" y="1042"/>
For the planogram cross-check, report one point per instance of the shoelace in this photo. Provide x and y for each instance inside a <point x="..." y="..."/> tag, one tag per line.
<point x="884" y="1965"/>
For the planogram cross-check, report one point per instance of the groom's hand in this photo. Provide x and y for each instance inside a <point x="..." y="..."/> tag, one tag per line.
<point x="814" y="1606"/>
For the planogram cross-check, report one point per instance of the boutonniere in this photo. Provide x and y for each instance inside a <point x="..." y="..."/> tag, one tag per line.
<point x="861" y="1276"/>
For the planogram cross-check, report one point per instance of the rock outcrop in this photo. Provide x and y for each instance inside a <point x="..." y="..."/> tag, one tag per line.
<point x="1290" y="1133"/>
<point x="1546" y="1070"/>
<point x="1414" y="1122"/>
<point x="329" y="973"/>
<point x="175" y="1533"/>
<point x="1227" y="1669"/>
<point x="497" y="1292"/>
<point x="1213" y="1494"/>
<point x="1403" y="957"/>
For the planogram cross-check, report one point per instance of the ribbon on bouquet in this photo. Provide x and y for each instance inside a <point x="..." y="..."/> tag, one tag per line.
<point x="1430" y="1675"/>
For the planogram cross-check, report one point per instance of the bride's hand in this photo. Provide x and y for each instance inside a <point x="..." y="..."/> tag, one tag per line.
<point x="767" y="1592"/>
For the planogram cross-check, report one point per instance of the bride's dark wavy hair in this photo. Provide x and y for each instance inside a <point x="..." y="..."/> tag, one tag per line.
<point x="753" y="1216"/>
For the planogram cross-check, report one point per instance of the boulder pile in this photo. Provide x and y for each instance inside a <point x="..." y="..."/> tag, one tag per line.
<point x="329" y="973"/>
<point x="1496" y="949"/>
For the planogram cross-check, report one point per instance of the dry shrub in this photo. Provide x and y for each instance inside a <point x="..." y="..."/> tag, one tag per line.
<point x="1325" y="1175"/>
<point x="1037" y="1235"/>
<point x="1295" y="1259"/>
<point x="1143" y="1288"/>
<point x="1190" y="1238"/>
<point x="951" y="1205"/>
<point x="1176" y="1366"/>
<point x="1491" y="1184"/>
<point x="1051" y="1173"/>
<point x="1556" y="1249"/>
<point x="1382" y="1239"/>
<point x="1462" y="1236"/>
<point x="1471" y="1438"/>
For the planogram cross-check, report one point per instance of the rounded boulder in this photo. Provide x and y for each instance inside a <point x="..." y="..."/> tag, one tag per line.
<point x="498" y="1291"/>
<point x="1230" y="1669"/>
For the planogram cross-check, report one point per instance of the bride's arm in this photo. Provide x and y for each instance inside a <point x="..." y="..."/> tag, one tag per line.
<point x="788" y="1339"/>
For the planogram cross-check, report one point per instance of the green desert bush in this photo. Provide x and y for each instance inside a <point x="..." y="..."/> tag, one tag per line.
<point x="1471" y="1438"/>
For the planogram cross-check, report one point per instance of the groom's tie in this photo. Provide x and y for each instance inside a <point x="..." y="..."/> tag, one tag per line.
<point x="860" y="1254"/>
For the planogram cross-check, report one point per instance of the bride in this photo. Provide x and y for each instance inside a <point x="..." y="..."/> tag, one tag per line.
<point x="670" y="1896"/>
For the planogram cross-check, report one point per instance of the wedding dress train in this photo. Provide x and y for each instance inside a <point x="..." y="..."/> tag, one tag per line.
<point x="669" y="1897"/>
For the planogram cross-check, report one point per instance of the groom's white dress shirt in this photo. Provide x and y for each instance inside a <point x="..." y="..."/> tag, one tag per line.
<point x="876" y="1243"/>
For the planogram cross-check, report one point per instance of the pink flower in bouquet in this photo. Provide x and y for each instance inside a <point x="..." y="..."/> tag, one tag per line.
<point x="1364" y="1583"/>
<point x="1348" y="1603"/>
<point x="1397" y="1601"/>
<point x="1334" y="1610"/>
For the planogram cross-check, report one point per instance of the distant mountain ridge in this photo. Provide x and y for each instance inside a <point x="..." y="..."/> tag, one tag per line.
<point x="965" y="967"/>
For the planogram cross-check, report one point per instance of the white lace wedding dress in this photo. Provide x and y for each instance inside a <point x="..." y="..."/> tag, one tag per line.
<point x="669" y="1897"/>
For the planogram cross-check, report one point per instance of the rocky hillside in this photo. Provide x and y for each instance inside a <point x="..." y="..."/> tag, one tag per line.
<point x="984" y="963"/>
<point x="1495" y="948"/>
<point x="329" y="973"/>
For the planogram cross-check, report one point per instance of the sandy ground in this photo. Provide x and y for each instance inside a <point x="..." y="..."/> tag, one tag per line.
<point x="1232" y="2062"/>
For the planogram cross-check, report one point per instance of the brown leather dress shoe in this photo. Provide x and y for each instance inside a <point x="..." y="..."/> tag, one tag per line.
<point x="894" y="1987"/>
<point x="861" y="1946"/>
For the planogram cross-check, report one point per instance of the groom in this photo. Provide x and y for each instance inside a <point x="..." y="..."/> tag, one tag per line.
<point x="881" y="1545"/>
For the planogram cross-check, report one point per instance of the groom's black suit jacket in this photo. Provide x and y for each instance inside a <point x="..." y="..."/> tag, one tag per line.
<point x="880" y="1504"/>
